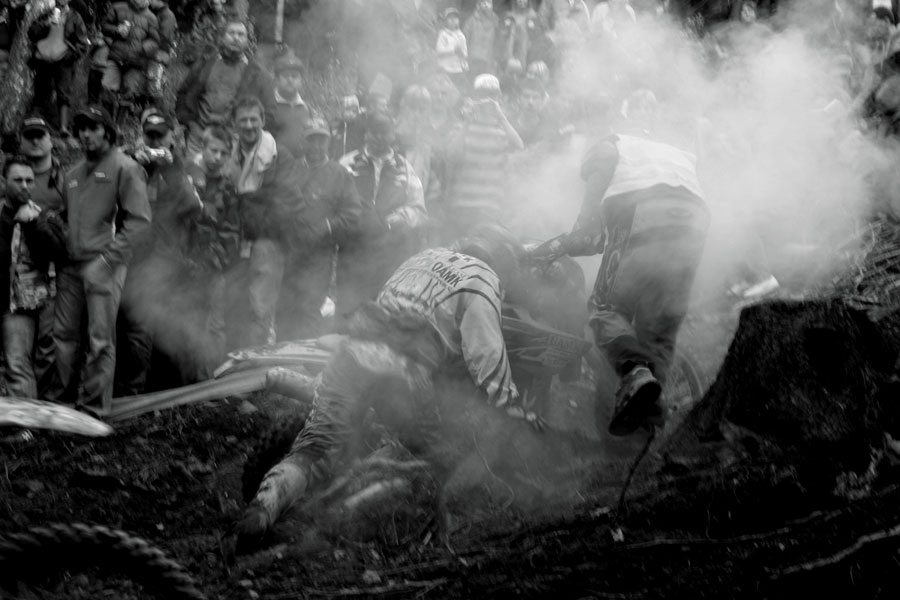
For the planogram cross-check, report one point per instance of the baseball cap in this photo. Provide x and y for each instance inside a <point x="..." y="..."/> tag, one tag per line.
<point x="34" y="124"/>
<point x="93" y="114"/>
<point x="155" y="121"/>
<point x="317" y="126"/>
<point x="450" y="10"/>
<point x="288" y="62"/>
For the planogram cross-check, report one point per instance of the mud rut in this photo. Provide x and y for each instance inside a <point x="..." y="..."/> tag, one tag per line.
<point x="779" y="484"/>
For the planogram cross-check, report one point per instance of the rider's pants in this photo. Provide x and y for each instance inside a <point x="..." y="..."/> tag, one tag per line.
<point x="643" y="288"/>
<point x="360" y="376"/>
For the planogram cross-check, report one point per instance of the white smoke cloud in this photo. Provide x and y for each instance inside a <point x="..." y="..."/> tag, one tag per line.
<point x="783" y="162"/>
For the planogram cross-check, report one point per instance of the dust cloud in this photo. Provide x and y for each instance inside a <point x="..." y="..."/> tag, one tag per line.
<point x="786" y="168"/>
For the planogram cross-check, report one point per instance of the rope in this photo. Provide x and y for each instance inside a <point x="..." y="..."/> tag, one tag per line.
<point x="63" y="547"/>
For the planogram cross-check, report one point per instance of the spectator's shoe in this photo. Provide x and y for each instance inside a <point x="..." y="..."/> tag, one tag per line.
<point x="636" y="402"/>
<point x="251" y="529"/>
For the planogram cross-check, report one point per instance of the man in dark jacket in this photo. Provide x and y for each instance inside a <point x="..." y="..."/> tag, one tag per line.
<point x="59" y="39"/>
<point x="154" y="311"/>
<point x="131" y="38"/>
<point x="107" y="209"/>
<point x="393" y="220"/>
<point x="168" y="30"/>
<point x="36" y="145"/>
<point x="216" y="241"/>
<point x="208" y="93"/>
<point x="328" y="213"/>
<point x="292" y="113"/>
<point x="30" y="239"/>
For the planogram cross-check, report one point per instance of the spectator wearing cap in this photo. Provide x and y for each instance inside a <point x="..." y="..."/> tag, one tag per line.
<point x="59" y="38"/>
<point x="216" y="239"/>
<point x="36" y="145"/>
<point x="452" y="53"/>
<point x="258" y="164"/>
<point x="107" y="209"/>
<point x="209" y="91"/>
<point x="393" y="221"/>
<point x="152" y="302"/>
<point x="291" y="111"/>
<point x="477" y="154"/>
<point x="480" y="30"/>
<point x="30" y="240"/>
<point x="349" y="131"/>
<point x="322" y="210"/>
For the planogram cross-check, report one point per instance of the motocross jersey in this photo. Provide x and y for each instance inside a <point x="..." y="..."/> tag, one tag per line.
<point x="459" y="297"/>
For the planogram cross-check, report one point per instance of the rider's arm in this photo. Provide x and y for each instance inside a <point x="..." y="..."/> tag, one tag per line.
<point x="597" y="171"/>
<point x="482" y="344"/>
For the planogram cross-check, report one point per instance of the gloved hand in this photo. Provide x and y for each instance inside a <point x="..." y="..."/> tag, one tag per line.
<point x="395" y="222"/>
<point x="535" y="420"/>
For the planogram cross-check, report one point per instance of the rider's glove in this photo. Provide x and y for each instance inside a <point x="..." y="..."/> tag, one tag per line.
<point x="517" y="412"/>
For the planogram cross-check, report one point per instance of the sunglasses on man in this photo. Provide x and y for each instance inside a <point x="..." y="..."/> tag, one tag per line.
<point x="34" y="134"/>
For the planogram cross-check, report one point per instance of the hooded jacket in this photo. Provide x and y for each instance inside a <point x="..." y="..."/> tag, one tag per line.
<point x="140" y="44"/>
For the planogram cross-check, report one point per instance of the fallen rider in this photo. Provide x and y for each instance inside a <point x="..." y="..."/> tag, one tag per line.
<point x="430" y="342"/>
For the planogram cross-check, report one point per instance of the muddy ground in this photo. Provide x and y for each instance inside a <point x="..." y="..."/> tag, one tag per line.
<point x="736" y="520"/>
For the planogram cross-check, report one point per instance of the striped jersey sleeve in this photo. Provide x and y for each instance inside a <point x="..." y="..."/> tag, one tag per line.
<point x="460" y="297"/>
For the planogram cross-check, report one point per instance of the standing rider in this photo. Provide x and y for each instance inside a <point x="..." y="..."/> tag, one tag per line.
<point x="644" y="210"/>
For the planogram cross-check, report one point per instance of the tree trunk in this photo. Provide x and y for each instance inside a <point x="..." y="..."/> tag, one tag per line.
<point x="16" y="89"/>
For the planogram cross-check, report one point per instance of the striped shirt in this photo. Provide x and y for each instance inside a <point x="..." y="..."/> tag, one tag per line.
<point x="459" y="296"/>
<point x="479" y="180"/>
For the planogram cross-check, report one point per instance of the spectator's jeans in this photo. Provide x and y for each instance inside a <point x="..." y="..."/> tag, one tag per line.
<point x="44" y="347"/>
<point x="136" y="344"/>
<point x="216" y="327"/>
<point x="19" y="335"/>
<point x="96" y="288"/>
<point x="266" y="270"/>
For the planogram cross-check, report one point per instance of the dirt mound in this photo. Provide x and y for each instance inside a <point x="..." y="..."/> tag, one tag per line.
<point x="813" y="380"/>
<point x="777" y="484"/>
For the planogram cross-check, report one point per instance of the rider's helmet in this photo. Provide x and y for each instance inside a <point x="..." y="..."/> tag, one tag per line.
<point x="495" y="246"/>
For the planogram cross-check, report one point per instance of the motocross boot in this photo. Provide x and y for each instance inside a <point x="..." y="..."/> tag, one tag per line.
<point x="636" y="402"/>
<point x="282" y="485"/>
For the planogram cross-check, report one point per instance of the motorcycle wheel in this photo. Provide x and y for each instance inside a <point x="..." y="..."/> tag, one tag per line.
<point x="266" y="453"/>
<point x="686" y="383"/>
<point x="38" y="562"/>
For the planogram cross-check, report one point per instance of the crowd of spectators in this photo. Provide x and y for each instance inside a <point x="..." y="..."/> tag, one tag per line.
<point x="245" y="215"/>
